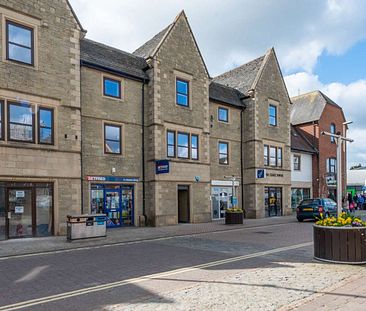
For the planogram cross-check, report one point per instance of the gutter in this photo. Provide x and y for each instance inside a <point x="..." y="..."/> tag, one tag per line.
<point x="113" y="71"/>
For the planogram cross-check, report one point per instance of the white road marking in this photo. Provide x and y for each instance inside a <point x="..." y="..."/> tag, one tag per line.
<point x="82" y="248"/>
<point x="32" y="274"/>
<point x="87" y="290"/>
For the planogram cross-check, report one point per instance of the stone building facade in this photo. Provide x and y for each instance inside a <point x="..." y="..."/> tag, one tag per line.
<point x="147" y="138"/>
<point x="40" y="141"/>
<point x="175" y="61"/>
<point x="266" y="136"/>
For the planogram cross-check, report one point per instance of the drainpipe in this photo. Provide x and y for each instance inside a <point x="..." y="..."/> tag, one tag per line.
<point x="242" y="160"/>
<point x="81" y="149"/>
<point x="241" y="154"/>
<point x="143" y="150"/>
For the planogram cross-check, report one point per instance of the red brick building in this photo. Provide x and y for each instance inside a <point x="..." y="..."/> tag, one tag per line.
<point x="314" y="113"/>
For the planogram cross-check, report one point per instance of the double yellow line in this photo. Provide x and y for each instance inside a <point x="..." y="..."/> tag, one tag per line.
<point x="88" y="290"/>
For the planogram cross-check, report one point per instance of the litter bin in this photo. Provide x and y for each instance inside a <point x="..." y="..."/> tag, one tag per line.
<point x="86" y="226"/>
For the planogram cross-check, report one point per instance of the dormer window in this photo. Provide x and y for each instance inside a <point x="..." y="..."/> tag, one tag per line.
<point x="19" y="43"/>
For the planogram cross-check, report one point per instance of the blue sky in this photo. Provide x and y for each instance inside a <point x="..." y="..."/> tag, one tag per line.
<point x="321" y="44"/>
<point x="344" y="68"/>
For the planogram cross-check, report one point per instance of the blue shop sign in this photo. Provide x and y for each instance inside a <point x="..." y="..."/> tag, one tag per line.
<point x="261" y="173"/>
<point x="112" y="179"/>
<point x="162" y="167"/>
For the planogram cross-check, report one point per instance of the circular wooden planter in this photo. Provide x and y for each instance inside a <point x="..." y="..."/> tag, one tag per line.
<point x="234" y="218"/>
<point x="340" y="244"/>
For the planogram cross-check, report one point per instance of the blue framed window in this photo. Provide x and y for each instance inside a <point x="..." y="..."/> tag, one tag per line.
<point x="45" y="126"/>
<point x="272" y="115"/>
<point x="223" y="114"/>
<point x="112" y="139"/>
<point x="19" y="43"/>
<point x="111" y="87"/>
<point x="182" y="93"/>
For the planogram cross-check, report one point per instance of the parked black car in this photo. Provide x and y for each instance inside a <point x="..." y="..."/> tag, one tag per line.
<point x="312" y="208"/>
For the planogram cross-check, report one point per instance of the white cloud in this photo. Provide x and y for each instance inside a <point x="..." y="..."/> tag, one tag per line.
<point x="352" y="98"/>
<point x="232" y="32"/>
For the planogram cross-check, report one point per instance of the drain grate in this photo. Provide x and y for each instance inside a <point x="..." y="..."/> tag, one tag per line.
<point x="263" y="232"/>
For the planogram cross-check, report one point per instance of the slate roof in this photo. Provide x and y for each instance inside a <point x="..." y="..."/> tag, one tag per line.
<point x="299" y="142"/>
<point x="112" y="59"/>
<point x="149" y="47"/>
<point x="225" y="94"/>
<point x="309" y="107"/>
<point x="243" y="77"/>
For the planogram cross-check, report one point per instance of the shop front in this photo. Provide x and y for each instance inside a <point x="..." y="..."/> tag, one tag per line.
<point x="299" y="194"/>
<point x="273" y="201"/>
<point x="26" y="210"/>
<point x="115" y="198"/>
<point x="221" y="197"/>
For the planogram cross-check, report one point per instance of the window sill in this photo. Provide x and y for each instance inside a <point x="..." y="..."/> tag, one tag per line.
<point x="27" y="145"/>
<point x="184" y="107"/>
<point x="20" y="64"/>
<point x="113" y="98"/>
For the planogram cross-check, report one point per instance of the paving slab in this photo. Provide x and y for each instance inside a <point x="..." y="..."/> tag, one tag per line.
<point x="348" y="295"/>
<point x="18" y="247"/>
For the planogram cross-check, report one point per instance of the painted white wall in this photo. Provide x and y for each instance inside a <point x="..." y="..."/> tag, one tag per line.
<point x="305" y="174"/>
<point x="356" y="177"/>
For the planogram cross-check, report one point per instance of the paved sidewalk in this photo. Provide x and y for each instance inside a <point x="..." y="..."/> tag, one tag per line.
<point x="125" y="235"/>
<point x="349" y="295"/>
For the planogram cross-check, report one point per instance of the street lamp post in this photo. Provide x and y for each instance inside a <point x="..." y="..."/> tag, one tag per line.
<point x="233" y="178"/>
<point x="339" y="139"/>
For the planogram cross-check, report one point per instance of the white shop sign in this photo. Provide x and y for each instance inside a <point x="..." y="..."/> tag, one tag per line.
<point x="19" y="210"/>
<point x="225" y="183"/>
<point x="19" y="194"/>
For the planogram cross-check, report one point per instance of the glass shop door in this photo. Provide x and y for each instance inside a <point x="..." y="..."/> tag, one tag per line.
<point x="127" y="206"/>
<point x="112" y="207"/>
<point x="19" y="213"/>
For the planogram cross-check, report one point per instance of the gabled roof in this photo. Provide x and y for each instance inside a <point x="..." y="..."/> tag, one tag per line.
<point x="111" y="59"/>
<point x="151" y="47"/>
<point x="299" y="142"/>
<point x="309" y="107"/>
<point x="75" y="16"/>
<point x="242" y="78"/>
<point x="225" y="94"/>
<point x="147" y="49"/>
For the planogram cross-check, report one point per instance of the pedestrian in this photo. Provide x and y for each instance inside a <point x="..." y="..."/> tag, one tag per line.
<point x="349" y="199"/>
<point x="361" y="201"/>
<point x="355" y="200"/>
